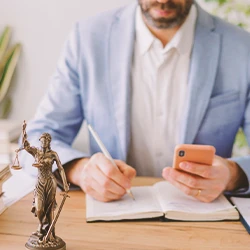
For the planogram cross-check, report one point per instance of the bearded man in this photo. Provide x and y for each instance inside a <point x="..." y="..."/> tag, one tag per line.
<point x="149" y="76"/>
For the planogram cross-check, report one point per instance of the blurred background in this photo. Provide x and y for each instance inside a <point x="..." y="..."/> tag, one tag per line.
<point x="41" y="27"/>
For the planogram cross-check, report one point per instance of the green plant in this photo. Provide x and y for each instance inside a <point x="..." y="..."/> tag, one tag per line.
<point x="233" y="11"/>
<point x="240" y="140"/>
<point x="8" y="60"/>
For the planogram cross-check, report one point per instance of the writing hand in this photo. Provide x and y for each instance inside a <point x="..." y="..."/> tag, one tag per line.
<point x="100" y="179"/>
<point x="210" y="180"/>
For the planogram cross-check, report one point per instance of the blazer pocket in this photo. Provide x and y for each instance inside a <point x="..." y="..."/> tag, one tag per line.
<point x="224" y="98"/>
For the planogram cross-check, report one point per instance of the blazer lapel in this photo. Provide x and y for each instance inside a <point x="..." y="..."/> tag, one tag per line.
<point x="121" y="46"/>
<point x="203" y="68"/>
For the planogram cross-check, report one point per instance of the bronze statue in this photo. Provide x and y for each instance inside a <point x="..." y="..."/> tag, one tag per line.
<point x="44" y="202"/>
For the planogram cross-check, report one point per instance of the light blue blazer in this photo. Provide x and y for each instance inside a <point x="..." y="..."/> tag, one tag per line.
<point x="92" y="83"/>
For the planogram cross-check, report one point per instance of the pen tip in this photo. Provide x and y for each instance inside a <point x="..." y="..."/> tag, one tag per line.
<point x="131" y="195"/>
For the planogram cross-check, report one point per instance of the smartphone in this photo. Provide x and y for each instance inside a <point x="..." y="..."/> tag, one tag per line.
<point x="202" y="154"/>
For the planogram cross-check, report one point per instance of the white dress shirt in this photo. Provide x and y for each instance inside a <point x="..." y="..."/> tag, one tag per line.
<point x="159" y="85"/>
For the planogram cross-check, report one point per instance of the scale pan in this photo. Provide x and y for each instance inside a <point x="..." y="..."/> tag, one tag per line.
<point x="37" y="165"/>
<point x="16" y="167"/>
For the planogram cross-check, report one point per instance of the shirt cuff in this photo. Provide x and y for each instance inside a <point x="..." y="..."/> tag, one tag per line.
<point x="244" y="164"/>
<point x="60" y="182"/>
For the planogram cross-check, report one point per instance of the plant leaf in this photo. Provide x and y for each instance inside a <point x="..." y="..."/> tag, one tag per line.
<point x="9" y="66"/>
<point x="240" y="139"/>
<point x="6" y="106"/>
<point x="4" y="61"/>
<point x="4" y="41"/>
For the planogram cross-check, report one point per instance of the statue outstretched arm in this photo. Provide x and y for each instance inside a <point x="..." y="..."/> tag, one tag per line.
<point x="25" y="142"/>
<point x="62" y="173"/>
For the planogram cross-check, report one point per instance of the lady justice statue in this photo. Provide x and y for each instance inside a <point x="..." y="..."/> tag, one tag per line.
<point x="44" y="202"/>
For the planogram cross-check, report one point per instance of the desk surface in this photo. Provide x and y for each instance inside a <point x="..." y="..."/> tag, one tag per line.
<point x="17" y="223"/>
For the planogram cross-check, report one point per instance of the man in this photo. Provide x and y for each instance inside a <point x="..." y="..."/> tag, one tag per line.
<point x="147" y="77"/>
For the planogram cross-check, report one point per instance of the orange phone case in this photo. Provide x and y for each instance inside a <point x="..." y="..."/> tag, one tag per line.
<point x="202" y="154"/>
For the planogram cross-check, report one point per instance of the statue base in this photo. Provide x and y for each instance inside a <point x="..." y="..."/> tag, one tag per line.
<point x="35" y="244"/>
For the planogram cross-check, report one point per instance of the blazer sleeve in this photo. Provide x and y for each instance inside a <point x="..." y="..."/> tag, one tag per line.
<point x="244" y="162"/>
<point x="60" y="113"/>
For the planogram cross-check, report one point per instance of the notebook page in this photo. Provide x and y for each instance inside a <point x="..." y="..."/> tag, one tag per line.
<point x="17" y="186"/>
<point x="144" y="202"/>
<point x="172" y="199"/>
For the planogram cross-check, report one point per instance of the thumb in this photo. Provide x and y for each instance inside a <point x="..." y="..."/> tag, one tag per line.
<point x="127" y="170"/>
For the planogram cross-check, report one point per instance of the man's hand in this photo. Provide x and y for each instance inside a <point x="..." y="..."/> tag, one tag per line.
<point x="204" y="182"/>
<point x="99" y="178"/>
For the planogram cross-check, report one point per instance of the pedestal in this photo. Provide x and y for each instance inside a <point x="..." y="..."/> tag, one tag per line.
<point x="35" y="244"/>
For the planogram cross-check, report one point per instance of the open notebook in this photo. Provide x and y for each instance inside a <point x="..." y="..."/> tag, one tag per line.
<point x="160" y="200"/>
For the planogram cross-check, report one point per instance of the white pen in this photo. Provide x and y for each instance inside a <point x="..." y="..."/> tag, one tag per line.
<point x="106" y="153"/>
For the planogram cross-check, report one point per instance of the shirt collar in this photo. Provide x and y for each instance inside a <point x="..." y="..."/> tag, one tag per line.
<point x="182" y="40"/>
<point x="144" y="37"/>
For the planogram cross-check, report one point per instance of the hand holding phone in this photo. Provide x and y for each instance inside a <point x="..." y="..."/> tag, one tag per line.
<point x="204" y="175"/>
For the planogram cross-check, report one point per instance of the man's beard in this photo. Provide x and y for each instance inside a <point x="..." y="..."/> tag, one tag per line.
<point x="181" y="12"/>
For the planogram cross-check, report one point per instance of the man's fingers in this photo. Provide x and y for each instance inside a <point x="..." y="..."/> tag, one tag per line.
<point x="190" y="180"/>
<point x="100" y="197"/>
<point x="185" y="189"/>
<point x="106" y="193"/>
<point x="104" y="183"/>
<point x="191" y="186"/>
<point x="111" y="171"/>
<point x="127" y="170"/>
<point x="205" y="171"/>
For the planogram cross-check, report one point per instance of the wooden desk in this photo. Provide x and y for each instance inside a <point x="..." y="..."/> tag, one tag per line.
<point x="17" y="223"/>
